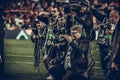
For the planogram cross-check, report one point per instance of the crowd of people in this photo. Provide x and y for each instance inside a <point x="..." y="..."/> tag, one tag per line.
<point x="22" y="14"/>
<point x="66" y="30"/>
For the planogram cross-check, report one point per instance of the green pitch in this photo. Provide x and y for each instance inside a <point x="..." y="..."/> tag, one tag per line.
<point x="19" y="60"/>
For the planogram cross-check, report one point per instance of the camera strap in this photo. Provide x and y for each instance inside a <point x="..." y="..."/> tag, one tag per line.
<point x="68" y="58"/>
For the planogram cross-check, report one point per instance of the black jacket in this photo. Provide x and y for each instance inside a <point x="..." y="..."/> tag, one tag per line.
<point x="86" y="19"/>
<point x="79" y="60"/>
<point x="116" y="44"/>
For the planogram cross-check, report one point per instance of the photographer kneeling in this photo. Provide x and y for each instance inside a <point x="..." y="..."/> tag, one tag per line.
<point x="76" y="61"/>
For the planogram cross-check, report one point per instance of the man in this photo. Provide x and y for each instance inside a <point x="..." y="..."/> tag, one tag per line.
<point x="84" y="17"/>
<point x="76" y="60"/>
<point x="115" y="66"/>
<point x="49" y="18"/>
<point x="105" y="28"/>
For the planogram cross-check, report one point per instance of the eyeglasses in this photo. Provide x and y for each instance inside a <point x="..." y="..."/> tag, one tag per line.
<point x="74" y="32"/>
<point x="54" y="11"/>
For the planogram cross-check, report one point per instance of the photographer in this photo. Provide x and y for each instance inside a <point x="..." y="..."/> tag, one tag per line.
<point x="76" y="61"/>
<point x="70" y="12"/>
<point x="106" y="28"/>
<point x="38" y="37"/>
<point x="84" y="17"/>
<point x="114" y="73"/>
<point x="55" y="60"/>
<point x="104" y="42"/>
<point x="50" y="37"/>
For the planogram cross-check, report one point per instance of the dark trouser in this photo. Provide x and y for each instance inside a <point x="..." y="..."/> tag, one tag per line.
<point x="57" y="71"/>
<point x="71" y="75"/>
<point x="113" y="75"/>
<point x="104" y="50"/>
<point x="2" y="54"/>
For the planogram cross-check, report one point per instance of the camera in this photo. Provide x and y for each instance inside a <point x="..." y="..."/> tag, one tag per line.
<point x="71" y="7"/>
<point x="67" y="9"/>
<point x="108" y="25"/>
<point x="62" y="32"/>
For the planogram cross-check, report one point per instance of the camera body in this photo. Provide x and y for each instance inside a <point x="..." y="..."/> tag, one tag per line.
<point x="62" y="31"/>
<point x="108" y="25"/>
<point x="72" y="7"/>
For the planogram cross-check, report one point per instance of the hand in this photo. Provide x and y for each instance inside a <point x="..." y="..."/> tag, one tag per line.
<point x="114" y="66"/>
<point x="67" y="38"/>
<point x="109" y="31"/>
<point x="73" y="14"/>
<point x="57" y="45"/>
